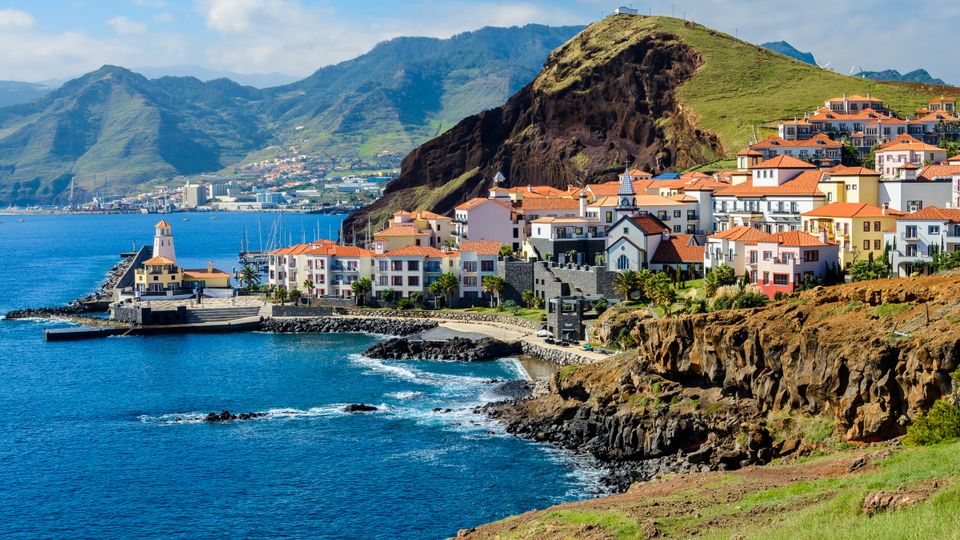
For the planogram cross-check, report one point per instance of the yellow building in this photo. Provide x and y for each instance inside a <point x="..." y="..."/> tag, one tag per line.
<point x="160" y="273"/>
<point x="851" y="185"/>
<point x="857" y="227"/>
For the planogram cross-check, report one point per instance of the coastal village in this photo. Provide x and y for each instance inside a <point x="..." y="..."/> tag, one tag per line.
<point x="791" y="215"/>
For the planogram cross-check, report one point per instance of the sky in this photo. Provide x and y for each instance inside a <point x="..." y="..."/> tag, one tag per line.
<point x="43" y="40"/>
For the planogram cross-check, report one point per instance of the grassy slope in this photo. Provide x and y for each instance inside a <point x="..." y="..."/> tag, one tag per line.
<point x="738" y="85"/>
<point x="818" y="499"/>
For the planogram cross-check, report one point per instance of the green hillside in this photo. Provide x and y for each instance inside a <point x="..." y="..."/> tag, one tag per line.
<point x="739" y="84"/>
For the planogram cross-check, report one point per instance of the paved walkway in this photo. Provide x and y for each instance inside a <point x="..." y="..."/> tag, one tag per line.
<point x="505" y="333"/>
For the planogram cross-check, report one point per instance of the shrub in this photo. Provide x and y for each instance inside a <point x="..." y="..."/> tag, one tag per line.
<point x="940" y="423"/>
<point x="600" y="306"/>
<point x="718" y="277"/>
<point x="738" y="297"/>
<point x="749" y="300"/>
<point x="403" y="304"/>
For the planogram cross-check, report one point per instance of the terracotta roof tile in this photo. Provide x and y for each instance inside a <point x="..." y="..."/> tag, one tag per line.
<point x="843" y="170"/>
<point x="804" y="184"/>
<point x="932" y="172"/>
<point x="415" y="251"/>
<point x="932" y="213"/>
<point x="851" y="210"/>
<point x="794" y="239"/>
<point x="743" y="234"/>
<point x="679" y="248"/>
<point x="549" y="203"/>
<point x="784" y="162"/>
<point x="649" y="224"/>
<point x="819" y="141"/>
<point x="481" y="247"/>
<point x="158" y="261"/>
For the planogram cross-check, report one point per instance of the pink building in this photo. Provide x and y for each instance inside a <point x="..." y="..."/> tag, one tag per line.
<point x="488" y="220"/>
<point x="891" y="157"/>
<point x="780" y="262"/>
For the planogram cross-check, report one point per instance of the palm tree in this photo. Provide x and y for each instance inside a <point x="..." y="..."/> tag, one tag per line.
<point x="494" y="285"/>
<point x="249" y="277"/>
<point x="307" y="286"/>
<point x="361" y="288"/>
<point x="528" y="297"/>
<point x="280" y="295"/>
<point x="626" y="283"/>
<point x="295" y="295"/>
<point x="445" y="285"/>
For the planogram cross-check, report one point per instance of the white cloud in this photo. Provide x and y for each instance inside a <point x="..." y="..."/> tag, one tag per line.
<point x="126" y="27"/>
<point x="11" y="19"/>
<point x="164" y="17"/>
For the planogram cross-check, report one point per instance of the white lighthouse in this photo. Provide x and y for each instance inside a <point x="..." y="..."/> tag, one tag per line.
<point x="163" y="241"/>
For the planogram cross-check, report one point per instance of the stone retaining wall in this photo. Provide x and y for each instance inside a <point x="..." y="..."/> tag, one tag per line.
<point x="555" y="356"/>
<point x="464" y="316"/>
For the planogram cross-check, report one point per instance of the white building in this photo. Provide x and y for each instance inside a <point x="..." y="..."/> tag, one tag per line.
<point x="477" y="259"/>
<point x="632" y="241"/>
<point x="488" y="220"/>
<point x="920" y="235"/>
<point x="410" y="269"/>
<point x="729" y="247"/>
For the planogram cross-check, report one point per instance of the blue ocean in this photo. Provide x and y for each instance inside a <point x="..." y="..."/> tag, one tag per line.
<point x="89" y="445"/>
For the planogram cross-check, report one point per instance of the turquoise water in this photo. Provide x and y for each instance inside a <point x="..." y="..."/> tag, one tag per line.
<point x="88" y="446"/>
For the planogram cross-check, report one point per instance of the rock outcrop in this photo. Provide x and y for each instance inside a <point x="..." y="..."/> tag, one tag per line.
<point x="456" y="348"/>
<point x="329" y="325"/>
<point x="604" y="97"/>
<point x="720" y="390"/>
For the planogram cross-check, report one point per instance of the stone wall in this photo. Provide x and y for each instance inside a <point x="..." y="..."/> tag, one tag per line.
<point x="559" y="357"/>
<point x="464" y="316"/>
<point x="518" y="277"/>
<point x="301" y="311"/>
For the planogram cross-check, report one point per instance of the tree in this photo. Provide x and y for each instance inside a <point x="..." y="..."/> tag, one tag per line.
<point x="387" y="295"/>
<point x="717" y="277"/>
<point x="626" y="283"/>
<point x="308" y="285"/>
<point x="869" y="269"/>
<point x="445" y="285"/>
<point x="280" y="295"/>
<point x="571" y="256"/>
<point x="659" y="288"/>
<point x="361" y="288"/>
<point x="295" y="295"/>
<point x="531" y="299"/>
<point x="506" y="251"/>
<point x="416" y="298"/>
<point x="449" y="243"/>
<point x="249" y="277"/>
<point x="494" y="285"/>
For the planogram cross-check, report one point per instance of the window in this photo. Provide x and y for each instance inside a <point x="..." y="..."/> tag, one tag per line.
<point x="626" y="230"/>
<point x="876" y="226"/>
<point x="933" y="229"/>
<point x="781" y="279"/>
<point x="397" y="281"/>
<point x="516" y="232"/>
<point x="469" y="266"/>
<point x="469" y="281"/>
<point x="911" y="231"/>
<point x="677" y="228"/>
<point x="623" y="263"/>
<point x="431" y="266"/>
<point x="413" y="266"/>
<point x="866" y="226"/>
<point x="396" y="266"/>
<point x="413" y="281"/>
<point x="811" y="256"/>
<point x="866" y="244"/>
<point x="876" y="245"/>
<point x="911" y="250"/>
<point x="677" y="213"/>
<point x="753" y="257"/>
<point x="486" y="266"/>
<point x="767" y="255"/>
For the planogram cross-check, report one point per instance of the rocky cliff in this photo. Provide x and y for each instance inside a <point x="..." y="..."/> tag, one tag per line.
<point x="608" y="95"/>
<point x="731" y="388"/>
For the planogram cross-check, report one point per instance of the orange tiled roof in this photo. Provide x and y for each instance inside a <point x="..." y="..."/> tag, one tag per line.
<point x="851" y="210"/>
<point x="649" y="224"/>
<point x="481" y="247"/>
<point x="341" y="251"/>
<point x="204" y="273"/>
<point x="162" y="223"/>
<point x="749" y="152"/>
<point x="158" y="261"/>
<point x="549" y="203"/>
<point x="931" y="172"/>
<point x="784" y="162"/>
<point x="679" y="248"/>
<point x="744" y="234"/>
<point x="954" y="158"/>
<point x="819" y="139"/>
<point x="914" y="145"/>
<point x="932" y="213"/>
<point x="399" y="230"/>
<point x="937" y="116"/>
<point x="794" y="239"/>
<point x="608" y="189"/>
<point x="855" y="97"/>
<point x="298" y="249"/>
<point x="477" y="201"/>
<point x="420" y="214"/>
<point x="803" y="184"/>
<point x="843" y="170"/>
<point x="415" y="251"/>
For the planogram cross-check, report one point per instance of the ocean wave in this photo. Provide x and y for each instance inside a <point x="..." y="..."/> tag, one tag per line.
<point x="404" y="395"/>
<point x="269" y="414"/>
<point x="417" y="376"/>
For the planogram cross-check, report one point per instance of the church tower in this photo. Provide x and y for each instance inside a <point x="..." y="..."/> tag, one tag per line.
<point x="163" y="241"/>
<point x="626" y="196"/>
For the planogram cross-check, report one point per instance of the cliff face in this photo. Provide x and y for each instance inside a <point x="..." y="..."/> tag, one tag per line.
<point x="725" y="389"/>
<point x="602" y="98"/>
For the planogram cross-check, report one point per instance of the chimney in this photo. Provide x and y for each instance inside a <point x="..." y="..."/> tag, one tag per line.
<point x="885" y="208"/>
<point x="209" y="267"/>
<point x="583" y="204"/>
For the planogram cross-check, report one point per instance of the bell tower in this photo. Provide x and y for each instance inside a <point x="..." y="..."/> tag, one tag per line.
<point x="626" y="196"/>
<point x="163" y="241"/>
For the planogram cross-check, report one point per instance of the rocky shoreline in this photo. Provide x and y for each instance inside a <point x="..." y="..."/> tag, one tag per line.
<point x="332" y="325"/>
<point x="457" y="349"/>
<point x="95" y="302"/>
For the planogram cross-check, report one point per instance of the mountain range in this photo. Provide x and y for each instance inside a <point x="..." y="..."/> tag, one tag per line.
<point x="660" y="93"/>
<point x="113" y="129"/>
<point x="920" y="76"/>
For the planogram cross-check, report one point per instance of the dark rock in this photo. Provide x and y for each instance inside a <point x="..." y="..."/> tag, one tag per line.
<point x="359" y="407"/>
<point x="457" y="349"/>
<point x="329" y="325"/>
<point x="227" y="416"/>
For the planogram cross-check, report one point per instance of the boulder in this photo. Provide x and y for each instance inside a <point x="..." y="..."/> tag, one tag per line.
<point x="359" y="407"/>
